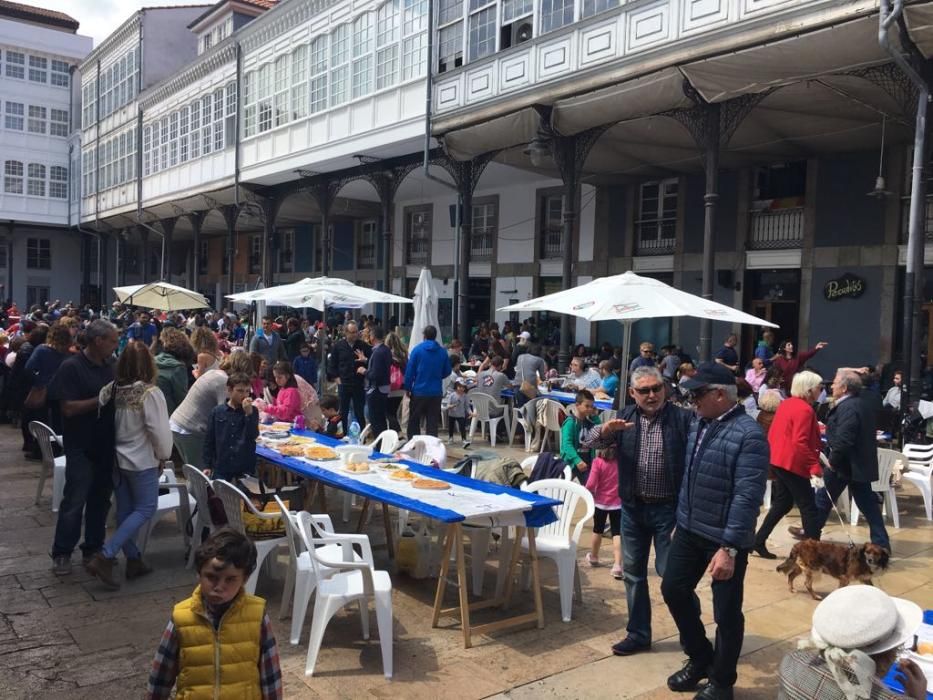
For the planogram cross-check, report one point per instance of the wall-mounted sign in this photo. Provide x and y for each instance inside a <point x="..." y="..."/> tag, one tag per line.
<point x="848" y="285"/>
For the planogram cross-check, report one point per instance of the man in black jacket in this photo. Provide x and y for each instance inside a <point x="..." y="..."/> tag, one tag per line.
<point x="348" y="354"/>
<point x="378" y="380"/>
<point x="650" y="439"/>
<point x="853" y="455"/>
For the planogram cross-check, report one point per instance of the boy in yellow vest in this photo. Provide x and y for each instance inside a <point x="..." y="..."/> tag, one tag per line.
<point x="219" y="642"/>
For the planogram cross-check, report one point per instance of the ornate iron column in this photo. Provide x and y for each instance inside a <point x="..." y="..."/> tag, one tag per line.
<point x="270" y="210"/>
<point x="197" y="221"/>
<point x="386" y="184"/>
<point x="168" y="230"/>
<point x="569" y="154"/>
<point x="466" y="175"/>
<point x="144" y="250"/>
<point x="324" y="192"/>
<point x="230" y="212"/>
<point x="712" y="125"/>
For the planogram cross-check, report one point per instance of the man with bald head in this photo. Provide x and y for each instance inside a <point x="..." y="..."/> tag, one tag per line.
<point x="853" y="455"/>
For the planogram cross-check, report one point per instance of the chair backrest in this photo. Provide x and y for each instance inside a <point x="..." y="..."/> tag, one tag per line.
<point x="233" y="500"/>
<point x="528" y="464"/>
<point x="295" y="543"/>
<point x="307" y="526"/>
<point x="570" y="494"/>
<point x="386" y="442"/>
<point x="886" y="460"/>
<point x="529" y="411"/>
<point x="425" y="449"/>
<point x="553" y="411"/>
<point x="481" y="403"/>
<point x="44" y="436"/>
<point x="197" y="484"/>
<point x="919" y="455"/>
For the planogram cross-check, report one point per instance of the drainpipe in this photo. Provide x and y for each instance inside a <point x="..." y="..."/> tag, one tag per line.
<point x="913" y="278"/>
<point x="428" y="106"/>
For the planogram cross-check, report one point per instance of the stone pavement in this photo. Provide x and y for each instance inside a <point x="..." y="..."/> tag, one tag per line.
<point x="67" y="637"/>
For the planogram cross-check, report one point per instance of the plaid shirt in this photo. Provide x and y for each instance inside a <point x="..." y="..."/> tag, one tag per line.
<point x="165" y="665"/>
<point x="804" y="676"/>
<point x="651" y="481"/>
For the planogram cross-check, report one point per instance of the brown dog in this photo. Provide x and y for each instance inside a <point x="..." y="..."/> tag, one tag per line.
<point x="847" y="564"/>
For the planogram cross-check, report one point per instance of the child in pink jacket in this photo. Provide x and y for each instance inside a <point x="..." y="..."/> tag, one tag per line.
<point x="603" y="483"/>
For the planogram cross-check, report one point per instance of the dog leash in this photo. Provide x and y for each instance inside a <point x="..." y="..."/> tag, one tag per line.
<point x="845" y="527"/>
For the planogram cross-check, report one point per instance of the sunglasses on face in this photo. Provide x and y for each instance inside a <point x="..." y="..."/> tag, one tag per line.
<point x="645" y="390"/>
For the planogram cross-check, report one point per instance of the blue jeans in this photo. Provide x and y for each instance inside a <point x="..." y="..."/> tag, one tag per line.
<point x="88" y="485"/>
<point x="864" y="498"/>
<point x="137" y="500"/>
<point x="643" y="523"/>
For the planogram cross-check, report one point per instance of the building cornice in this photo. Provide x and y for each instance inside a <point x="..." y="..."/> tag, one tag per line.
<point x="126" y="30"/>
<point x="222" y="55"/>
<point x="281" y="19"/>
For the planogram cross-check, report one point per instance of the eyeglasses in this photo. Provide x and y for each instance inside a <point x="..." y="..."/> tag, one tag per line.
<point x="645" y="390"/>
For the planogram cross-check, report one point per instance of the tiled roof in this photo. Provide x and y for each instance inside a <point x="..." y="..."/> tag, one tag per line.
<point x="32" y="13"/>
<point x="264" y="4"/>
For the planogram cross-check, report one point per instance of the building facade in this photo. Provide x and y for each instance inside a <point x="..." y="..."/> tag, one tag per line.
<point x="273" y="141"/>
<point x="39" y="51"/>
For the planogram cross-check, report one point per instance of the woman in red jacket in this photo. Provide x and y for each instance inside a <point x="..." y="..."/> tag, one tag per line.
<point x="288" y="400"/>
<point x="795" y="444"/>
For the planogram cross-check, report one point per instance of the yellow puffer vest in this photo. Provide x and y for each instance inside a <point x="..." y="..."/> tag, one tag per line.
<point x="221" y="664"/>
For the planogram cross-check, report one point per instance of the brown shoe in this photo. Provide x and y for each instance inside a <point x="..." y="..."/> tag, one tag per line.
<point x="102" y="568"/>
<point x="796" y="532"/>
<point x="136" y="568"/>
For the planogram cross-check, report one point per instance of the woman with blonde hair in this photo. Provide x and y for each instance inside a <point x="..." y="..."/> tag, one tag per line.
<point x="143" y="443"/>
<point x="397" y="369"/>
<point x="794" y="438"/>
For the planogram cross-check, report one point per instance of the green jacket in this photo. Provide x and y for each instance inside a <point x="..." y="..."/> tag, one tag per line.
<point x="570" y="441"/>
<point x="172" y="380"/>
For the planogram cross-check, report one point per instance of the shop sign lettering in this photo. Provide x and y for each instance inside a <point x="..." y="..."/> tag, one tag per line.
<point x="848" y="285"/>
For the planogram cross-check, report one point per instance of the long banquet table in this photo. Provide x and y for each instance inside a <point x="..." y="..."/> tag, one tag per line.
<point x="482" y="504"/>
<point x="564" y="397"/>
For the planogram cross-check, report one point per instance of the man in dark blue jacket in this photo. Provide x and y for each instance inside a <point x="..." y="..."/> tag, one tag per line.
<point x="378" y="380"/>
<point x="428" y="364"/>
<point x="726" y="466"/>
<point x="650" y="439"/>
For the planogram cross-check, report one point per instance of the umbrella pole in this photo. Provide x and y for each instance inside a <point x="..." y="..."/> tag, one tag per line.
<point x="623" y="372"/>
<point x="322" y="352"/>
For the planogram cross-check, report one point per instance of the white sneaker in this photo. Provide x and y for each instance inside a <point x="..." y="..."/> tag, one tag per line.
<point x="466" y="444"/>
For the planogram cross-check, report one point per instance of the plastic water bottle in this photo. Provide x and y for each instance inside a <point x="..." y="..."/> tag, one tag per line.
<point x="354" y="433"/>
<point x="299" y="423"/>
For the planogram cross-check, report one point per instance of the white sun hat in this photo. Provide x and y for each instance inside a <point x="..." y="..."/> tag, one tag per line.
<point x="865" y="618"/>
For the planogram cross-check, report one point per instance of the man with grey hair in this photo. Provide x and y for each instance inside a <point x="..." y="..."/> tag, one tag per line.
<point x="723" y="486"/>
<point x="88" y="443"/>
<point x="650" y="440"/>
<point x="349" y="354"/>
<point x="853" y="455"/>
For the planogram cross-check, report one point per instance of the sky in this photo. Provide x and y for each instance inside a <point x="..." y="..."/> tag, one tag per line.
<point x="99" y="18"/>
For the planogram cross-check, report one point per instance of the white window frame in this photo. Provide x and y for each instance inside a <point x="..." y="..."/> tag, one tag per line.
<point x="147" y="150"/>
<point x="38" y="120"/>
<point x="38" y="251"/>
<point x="58" y="182"/>
<point x="38" y="69"/>
<point x="60" y="74"/>
<point x="14" y="116"/>
<point x="35" y="180"/>
<point x="280" y="98"/>
<point x="58" y="122"/>
<point x="650" y="226"/>
<point x="195" y="138"/>
<point x="13" y="177"/>
<point x="339" y="65"/>
<point x="299" y="89"/>
<point x="388" y="29"/>
<point x="318" y="64"/>
<point x="206" y="134"/>
<point x="16" y="65"/>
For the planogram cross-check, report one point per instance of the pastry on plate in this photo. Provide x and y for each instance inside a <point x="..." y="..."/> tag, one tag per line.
<point x="402" y="475"/>
<point x="290" y="450"/>
<point x="356" y="467"/>
<point x="319" y="452"/>
<point x="430" y="484"/>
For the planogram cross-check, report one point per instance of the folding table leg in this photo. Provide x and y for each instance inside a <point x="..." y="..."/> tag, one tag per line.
<point x="463" y="584"/>
<point x="364" y="509"/>
<point x="387" y="524"/>
<point x="442" y="575"/>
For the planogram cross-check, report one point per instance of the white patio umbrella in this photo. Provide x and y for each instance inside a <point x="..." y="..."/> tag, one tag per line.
<point x="425" y="307"/>
<point x="628" y="298"/>
<point x="318" y="293"/>
<point x="162" y="296"/>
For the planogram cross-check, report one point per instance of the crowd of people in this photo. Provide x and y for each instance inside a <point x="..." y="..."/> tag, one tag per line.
<point x="682" y="466"/>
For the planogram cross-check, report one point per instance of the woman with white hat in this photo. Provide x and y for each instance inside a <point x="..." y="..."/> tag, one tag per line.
<point x="856" y="636"/>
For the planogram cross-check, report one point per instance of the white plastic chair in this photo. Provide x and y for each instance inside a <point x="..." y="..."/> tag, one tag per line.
<point x="920" y="472"/>
<point x="886" y="459"/>
<point x="301" y="581"/>
<point x="197" y="483"/>
<point x="176" y="501"/>
<point x="482" y="416"/>
<point x="558" y="541"/>
<point x="351" y="581"/>
<point x="386" y="442"/>
<point x="51" y="464"/>
<point x="550" y="416"/>
<point x="233" y="500"/>
<point x="525" y="416"/>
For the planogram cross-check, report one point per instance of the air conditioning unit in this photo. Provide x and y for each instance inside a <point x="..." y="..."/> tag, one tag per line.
<point x="522" y="31"/>
<point x="518" y="32"/>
